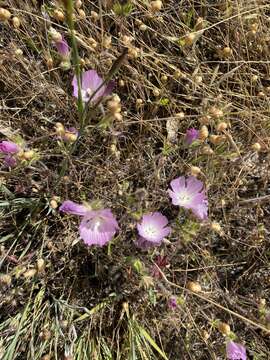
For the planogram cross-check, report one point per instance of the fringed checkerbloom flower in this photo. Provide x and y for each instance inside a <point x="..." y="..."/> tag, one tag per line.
<point x="97" y="227"/>
<point x="152" y="230"/>
<point x="189" y="194"/>
<point x="235" y="351"/>
<point x="172" y="303"/>
<point x="9" y="149"/>
<point x="191" y="135"/>
<point x="62" y="48"/>
<point x="90" y="82"/>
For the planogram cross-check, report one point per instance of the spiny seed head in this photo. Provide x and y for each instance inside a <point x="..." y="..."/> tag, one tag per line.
<point x="5" y="279"/>
<point x="40" y="265"/>
<point x="224" y="328"/>
<point x="189" y="39"/>
<point x="16" y="22"/>
<point x="216" y="112"/>
<point x="94" y="15"/>
<point x="215" y="226"/>
<point x="195" y="171"/>
<point x="156" y="6"/>
<point x="256" y="147"/>
<point x="5" y="15"/>
<point x="53" y="204"/>
<point x="194" y="286"/>
<point x="58" y="15"/>
<point x="205" y="120"/>
<point x="217" y="139"/>
<point x="203" y="133"/>
<point x="254" y="78"/>
<point x="222" y="126"/>
<point x="30" y="273"/>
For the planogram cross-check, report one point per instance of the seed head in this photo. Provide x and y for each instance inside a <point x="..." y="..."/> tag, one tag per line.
<point x="81" y="13"/>
<point x="94" y="16"/>
<point x="215" y="226"/>
<point x="256" y="147"/>
<point x="180" y="115"/>
<point x="216" y="113"/>
<point x="222" y="126"/>
<point x="203" y="133"/>
<point x="227" y="51"/>
<point x="5" y="279"/>
<point x="16" y="22"/>
<point x="195" y="171"/>
<point x="143" y="27"/>
<point x="206" y="150"/>
<point x="28" y="155"/>
<point x="40" y="265"/>
<point x="224" y="328"/>
<point x="205" y="120"/>
<point x="156" y="92"/>
<point x="155" y="6"/>
<point x="5" y="15"/>
<point x="18" y="52"/>
<point x="78" y="4"/>
<point x="194" y="286"/>
<point x="49" y="63"/>
<point x="30" y="273"/>
<point x="53" y="204"/>
<point x="189" y="39"/>
<point x="58" y="15"/>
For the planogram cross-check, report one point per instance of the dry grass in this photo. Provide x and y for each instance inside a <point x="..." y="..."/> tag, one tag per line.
<point x="91" y="303"/>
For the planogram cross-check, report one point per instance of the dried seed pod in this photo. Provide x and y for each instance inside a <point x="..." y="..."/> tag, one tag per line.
<point x="78" y="4"/>
<point x="143" y="27"/>
<point x="18" y="52"/>
<point x="194" y="286"/>
<point x="30" y="273"/>
<point x="5" y="15"/>
<point x="139" y="102"/>
<point x="217" y="139"/>
<point x="216" y="112"/>
<point x="16" y="22"/>
<point x="40" y="264"/>
<point x="94" y="16"/>
<point x="180" y="115"/>
<point x="164" y="78"/>
<point x="58" y="15"/>
<point x="215" y="226"/>
<point x="107" y="41"/>
<point x="224" y="328"/>
<point x="121" y="83"/>
<point x="195" y="171"/>
<point x="156" y="92"/>
<point x="222" y="126"/>
<point x="203" y="133"/>
<point x="53" y="204"/>
<point x="206" y="150"/>
<point x="205" y="120"/>
<point x="257" y="147"/>
<point x="81" y="13"/>
<point x="227" y="51"/>
<point x="155" y="6"/>
<point x="28" y="155"/>
<point x="172" y="126"/>
<point x="5" y="279"/>
<point x="189" y="39"/>
<point x="49" y="63"/>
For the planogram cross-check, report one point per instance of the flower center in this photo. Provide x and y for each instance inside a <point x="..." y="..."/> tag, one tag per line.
<point x="184" y="198"/>
<point x="94" y="224"/>
<point x="150" y="231"/>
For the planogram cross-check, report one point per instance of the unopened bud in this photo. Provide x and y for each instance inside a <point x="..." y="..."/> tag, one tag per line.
<point x="16" y="22"/>
<point x="70" y="137"/>
<point x="55" y="35"/>
<point x="118" y="116"/>
<point x="58" y="15"/>
<point x="194" y="286"/>
<point x="224" y="328"/>
<point x="114" y="106"/>
<point x="203" y="133"/>
<point x="4" y="14"/>
<point x="143" y="27"/>
<point x="256" y="147"/>
<point x="222" y="126"/>
<point x="60" y="129"/>
<point x="156" y="6"/>
<point x="195" y="170"/>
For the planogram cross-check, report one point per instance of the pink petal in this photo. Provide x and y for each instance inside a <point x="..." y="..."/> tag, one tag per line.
<point x="235" y="351"/>
<point x="9" y="147"/>
<point x="10" y="161"/>
<point x="194" y="185"/>
<point x="91" y="237"/>
<point x="73" y="208"/>
<point x="178" y="184"/>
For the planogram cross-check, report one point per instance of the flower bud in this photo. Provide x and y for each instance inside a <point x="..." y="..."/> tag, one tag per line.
<point x="155" y="6"/>
<point x="222" y="126"/>
<point x="133" y="52"/>
<point x="16" y="22"/>
<point x="70" y="137"/>
<point x="5" y="15"/>
<point x="59" y="129"/>
<point x="224" y="328"/>
<point x="256" y="147"/>
<point x="58" y="15"/>
<point x="194" y="286"/>
<point x="203" y="133"/>
<point x="217" y="139"/>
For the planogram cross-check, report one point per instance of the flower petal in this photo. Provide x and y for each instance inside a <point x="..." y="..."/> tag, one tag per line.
<point x="235" y="351"/>
<point x="9" y="147"/>
<point x="194" y="185"/>
<point x="71" y="207"/>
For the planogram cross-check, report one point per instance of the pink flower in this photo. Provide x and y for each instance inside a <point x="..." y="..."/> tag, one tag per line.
<point x="191" y="135"/>
<point x="62" y="48"/>
<point x="97" y="227"/>
<point x="152" y="229"/>
<point x="189" y="193"/>
<point x="91" y="81"/>
<point x="235" y="351"/>
<point x="10" y="161"/>
<point x="172" y="303"/>
<point x="9" y="147"/>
